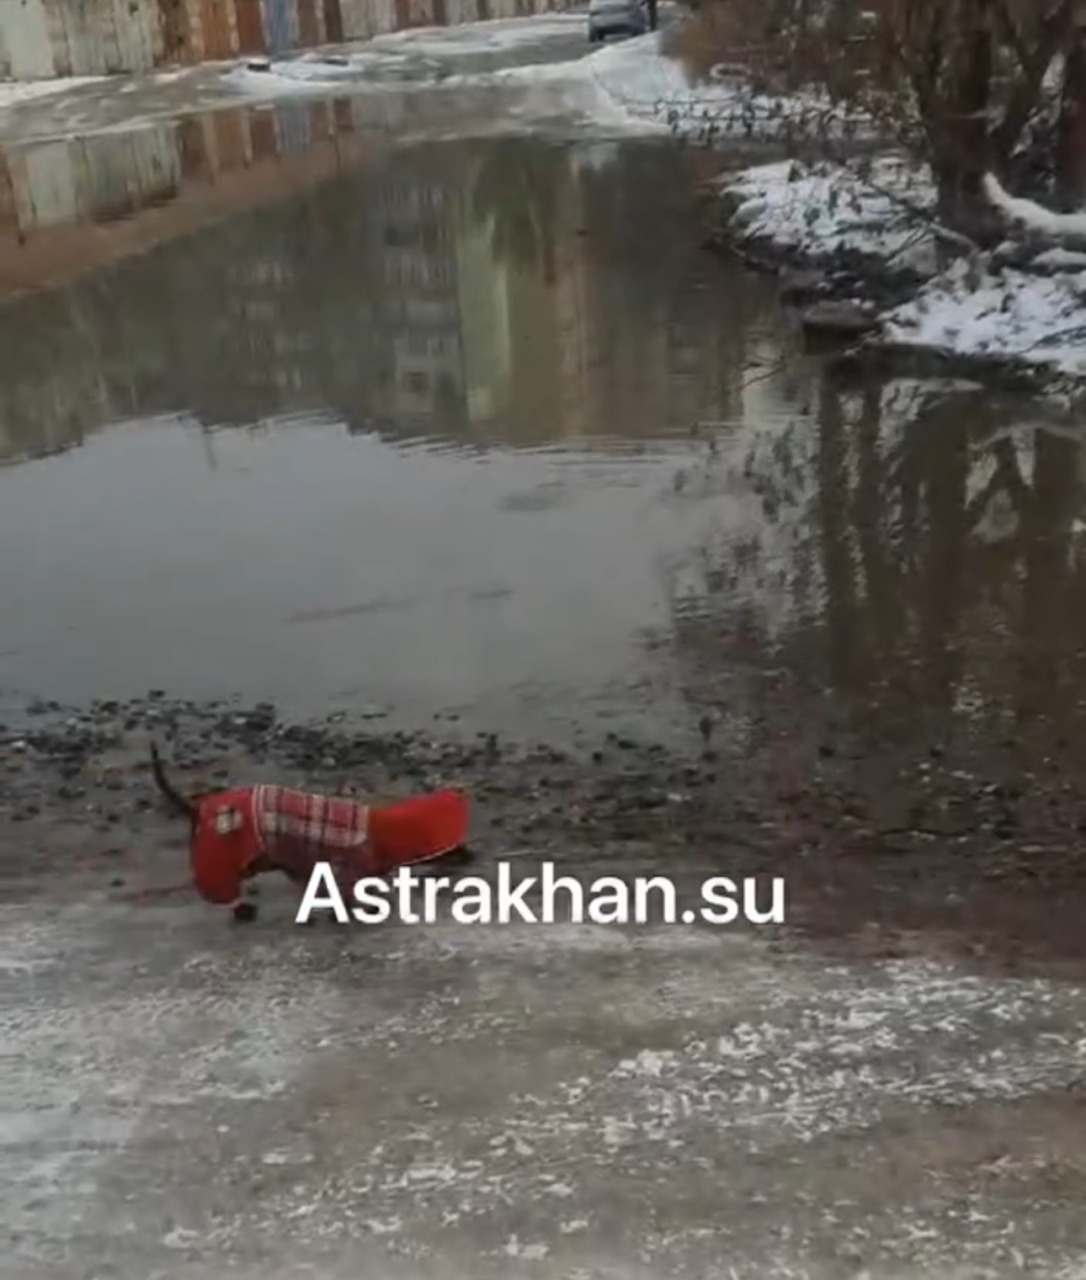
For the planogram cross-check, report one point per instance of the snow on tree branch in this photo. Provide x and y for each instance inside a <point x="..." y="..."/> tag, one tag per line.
<point x="1034" y="218"/>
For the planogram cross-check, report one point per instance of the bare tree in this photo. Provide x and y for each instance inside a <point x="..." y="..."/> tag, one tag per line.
<point x="969" y="86"/>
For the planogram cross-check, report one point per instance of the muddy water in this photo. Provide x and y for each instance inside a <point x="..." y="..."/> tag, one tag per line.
<point x="406" y="438"/>
<point x="474" y="429"/>
<point x="913" y="570"/>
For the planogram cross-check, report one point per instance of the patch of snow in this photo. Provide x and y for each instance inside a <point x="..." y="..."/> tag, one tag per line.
<point x="529" y="1252"/>
<point x="315" y="69"/>
<point x="87" y="1061"/>
<point x="626" y="87"/>
<point x="1012" y="314"/>
<point x="305" y="74"/>
<point x="1032" y="216"/>
<point x="647" y="1063"/>
<point x="392" y="1227"/>
<point x="1061" y="260"/>
<point x="879" y="211"/>
<point x="636" y="84"/>
<point x="875" y="211"/>
<point x="630" y="87"/>
<point x="15" y="92"/>
<point x="633" y="74"/>
<point x="848" y="1052"/>
<point x="641" y="78"/>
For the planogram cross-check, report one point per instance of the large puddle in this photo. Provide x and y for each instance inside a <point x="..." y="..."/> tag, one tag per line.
<point x="410" y="437"/>
<point x="476" y="428"/>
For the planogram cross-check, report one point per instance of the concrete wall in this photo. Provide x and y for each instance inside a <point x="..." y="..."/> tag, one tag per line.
<point x="26" y="46"/>
<point x="44" y="38"/>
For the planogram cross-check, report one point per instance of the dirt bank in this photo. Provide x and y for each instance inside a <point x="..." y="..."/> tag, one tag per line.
<point x="887" y="849"/>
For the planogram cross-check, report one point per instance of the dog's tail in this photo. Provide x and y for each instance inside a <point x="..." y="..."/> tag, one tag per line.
<point x="180" y="803"/>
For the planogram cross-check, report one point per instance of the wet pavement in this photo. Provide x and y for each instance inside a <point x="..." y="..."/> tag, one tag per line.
<point x="525" y="1102"/>
<point x="445" y="456"/>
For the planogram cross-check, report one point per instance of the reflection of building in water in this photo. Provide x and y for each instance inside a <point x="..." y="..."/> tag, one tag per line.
<point x="51" y="194"/>
<point x="526" y="299"/>
<point x="557" y="327"/>
<point x="413" y="225"/>
<point x="480" y="283"/>
<point x="204" y="322"/>
<point x="578" y="319"/>
<point x="58" y="183"/>
<point x="483" y="309"/>
<point x="632" y="342"/>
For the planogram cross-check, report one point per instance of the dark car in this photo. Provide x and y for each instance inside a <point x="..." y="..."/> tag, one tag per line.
<point x="616" y="18"/>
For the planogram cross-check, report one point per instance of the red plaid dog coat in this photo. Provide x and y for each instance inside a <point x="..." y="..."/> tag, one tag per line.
<point x="293" y="831"/>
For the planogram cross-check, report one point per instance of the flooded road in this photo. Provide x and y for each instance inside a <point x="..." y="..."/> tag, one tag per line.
<point x="293" y="408"/>
<point x="406" y="437"/>
<point x="474" y="427"/>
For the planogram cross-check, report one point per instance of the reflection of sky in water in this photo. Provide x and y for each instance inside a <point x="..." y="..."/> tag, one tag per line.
<point x="303" y="563"/>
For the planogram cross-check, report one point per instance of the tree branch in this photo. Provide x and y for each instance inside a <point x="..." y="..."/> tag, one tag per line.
<point x="1051" y="36"/>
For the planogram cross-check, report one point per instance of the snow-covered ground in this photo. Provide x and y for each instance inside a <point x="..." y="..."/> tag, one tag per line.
<point x="631" y="76"/>
<point x="1012" y="314"/>
<point x="822" y="211"/>
<point x="313" y="72"/>
<point x="630" y="85"/>
<point x="622" y="89"/>
<point x="502" y="1103"/>
<point x="882" y="213"/>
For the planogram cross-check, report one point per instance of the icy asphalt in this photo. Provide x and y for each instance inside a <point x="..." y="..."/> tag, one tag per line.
<point x="503" y="75"/>
<point x="186" y="1100"/>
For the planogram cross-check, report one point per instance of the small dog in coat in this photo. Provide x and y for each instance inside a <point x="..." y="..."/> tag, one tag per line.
<point x="238" y="834"/>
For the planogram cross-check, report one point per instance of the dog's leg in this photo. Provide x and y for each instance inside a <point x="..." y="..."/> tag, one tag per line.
<point x="461" y="857"/>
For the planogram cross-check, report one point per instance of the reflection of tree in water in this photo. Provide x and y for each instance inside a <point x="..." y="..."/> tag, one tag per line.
<point x="957" y="587"/>
<point x="891" y="531"/>
<point x="517" y="191"/>
<point x="55" y="382"/>
<point x="948" y="569"/>
<point x="639" y="210"/>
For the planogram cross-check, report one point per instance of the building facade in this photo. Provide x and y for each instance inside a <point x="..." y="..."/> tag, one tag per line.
<point x="40" y="39"/>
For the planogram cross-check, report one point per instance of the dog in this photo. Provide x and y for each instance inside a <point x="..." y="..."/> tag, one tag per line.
<point x="240" y="833"/>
